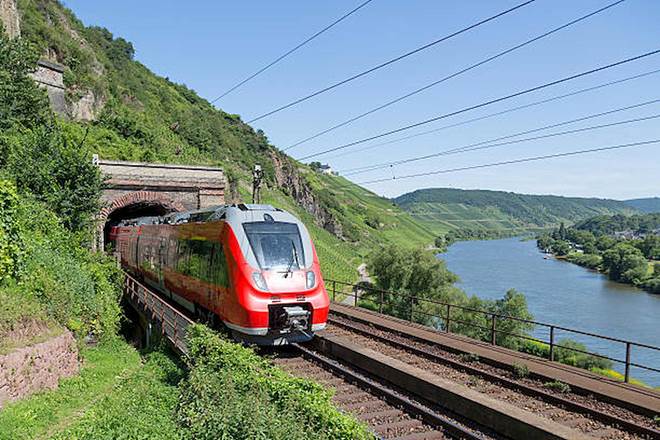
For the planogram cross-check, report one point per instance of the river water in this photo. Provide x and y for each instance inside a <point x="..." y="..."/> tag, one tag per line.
<point x="563" y="294"/>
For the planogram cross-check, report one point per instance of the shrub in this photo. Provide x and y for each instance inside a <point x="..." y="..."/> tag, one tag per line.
<point x="469" y="358"/>
<point x="234" y="393"/>
<point x="520" y="371"/>
<point x="76" y="288"/>
<point x="48" y="165"/>
<point x="10" y="249"/>
<point x="558" y="386"/>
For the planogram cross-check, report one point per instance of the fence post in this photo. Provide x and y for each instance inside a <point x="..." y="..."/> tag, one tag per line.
<point x="355" y="298"/>
<point x="412" y="304"/>
<point x="492" y="329"/>
<point x="552" y="343"/>
<point x="627" y="376"/>
<point x="334" y="290"/>
<point x="380" y="304"/>
<point x="447" y="320"/>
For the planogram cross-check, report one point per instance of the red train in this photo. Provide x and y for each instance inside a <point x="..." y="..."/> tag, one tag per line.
<point x="253" y="267"/>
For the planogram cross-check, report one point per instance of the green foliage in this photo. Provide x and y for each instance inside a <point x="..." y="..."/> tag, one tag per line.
<point x="46" y="164"/>
<point x="469" y="358"/>
<point x="22" y="103"/>
<point x="404" y="273"/>
<point x="234" y="393"/>
<point x="10" y="243"/>
<point x="558" y="386"/>
<point x="116" y="395"/>
<point x="623" y="259"/>
<point x="608" y="225"/>
<point x="625" y="263"/>
<point x="76" y="288"/>
<point x="591" y="261"/>
<point x="565" y="353"/>
<point x="520" y="371"/>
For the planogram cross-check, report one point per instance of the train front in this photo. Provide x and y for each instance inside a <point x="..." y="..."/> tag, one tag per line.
<point x="280" y="294"/>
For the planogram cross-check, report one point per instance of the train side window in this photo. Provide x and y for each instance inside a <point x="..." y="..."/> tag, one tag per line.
<point x="219" y="274"/>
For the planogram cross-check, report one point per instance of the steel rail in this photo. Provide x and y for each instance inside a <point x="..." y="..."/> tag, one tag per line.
<point x="411" y="407"/>
<point x="498" y="379"/>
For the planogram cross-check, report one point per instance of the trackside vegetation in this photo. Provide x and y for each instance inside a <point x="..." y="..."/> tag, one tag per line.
<point x="231" y="392"/>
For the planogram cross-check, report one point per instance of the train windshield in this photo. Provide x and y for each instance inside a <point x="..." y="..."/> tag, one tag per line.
<point x="277" y="245"/>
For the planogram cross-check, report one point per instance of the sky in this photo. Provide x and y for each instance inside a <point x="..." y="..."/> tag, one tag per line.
<point x="212" y="45"/>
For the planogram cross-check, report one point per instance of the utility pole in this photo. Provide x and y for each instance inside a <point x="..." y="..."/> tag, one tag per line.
<point x="257" y="175"/>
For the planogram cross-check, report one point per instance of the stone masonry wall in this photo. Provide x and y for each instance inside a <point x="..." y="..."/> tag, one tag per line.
<point x="30" y="369"/>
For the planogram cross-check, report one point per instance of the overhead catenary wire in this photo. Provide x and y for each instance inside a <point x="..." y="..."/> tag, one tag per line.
<point x="490" y="143"/>
<point x="534" y="138"/>
<point x="391" y="61"/>
<point x="455" y="74"/>
<point x="502" y="112"/>
<point x="514" y="161"/>
<point x="485" y="104"/>
<point x="290" y="51"/>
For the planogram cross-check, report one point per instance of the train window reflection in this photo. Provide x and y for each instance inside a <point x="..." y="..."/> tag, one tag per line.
<point x="277" y="245"/>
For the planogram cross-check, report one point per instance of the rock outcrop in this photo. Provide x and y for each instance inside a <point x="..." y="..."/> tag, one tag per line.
<point x="10" y="18"/>
<point x="289" y="179"/>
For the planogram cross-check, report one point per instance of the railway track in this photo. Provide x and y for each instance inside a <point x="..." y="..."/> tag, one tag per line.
<point x="389" y="412"/>
<point x="586" y="414"/>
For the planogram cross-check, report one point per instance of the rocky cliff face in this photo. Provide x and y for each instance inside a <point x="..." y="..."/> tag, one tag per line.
<point x="10" y="18"/>
<point x="289" y="179"/>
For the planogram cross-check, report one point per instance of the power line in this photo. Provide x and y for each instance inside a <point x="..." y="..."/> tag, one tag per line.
<point x="472" y="147"/>
<point x="507" y="162"/>
<point x="484" y="104"/>
<point x="392" y="61"/>
<point x="454" y="75"/>
<point x="546" y="136"/>
<point x="280" y="58"/>
<point x="499" y="113"/>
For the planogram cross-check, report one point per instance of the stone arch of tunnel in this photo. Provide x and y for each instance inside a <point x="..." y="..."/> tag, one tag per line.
<point x="132" y="205"/>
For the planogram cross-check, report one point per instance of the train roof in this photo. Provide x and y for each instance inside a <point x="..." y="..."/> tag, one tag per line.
<point x="242" y="212"/>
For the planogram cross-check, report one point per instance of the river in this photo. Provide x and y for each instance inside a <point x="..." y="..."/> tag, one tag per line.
<point x="564" y="294"/>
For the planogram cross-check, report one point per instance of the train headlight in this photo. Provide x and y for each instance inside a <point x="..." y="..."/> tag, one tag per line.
<point x="311" y="279"/>
<point x="259" y="280"/>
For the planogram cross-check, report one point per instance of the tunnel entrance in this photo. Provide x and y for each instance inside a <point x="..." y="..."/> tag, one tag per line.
<point x="132" y="205"/>
<point x="135" y="210"/>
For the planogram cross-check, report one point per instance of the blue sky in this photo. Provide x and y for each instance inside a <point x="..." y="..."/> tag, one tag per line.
<point x="211" y="45"/>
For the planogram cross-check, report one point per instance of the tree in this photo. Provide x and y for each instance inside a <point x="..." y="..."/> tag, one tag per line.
<point x="561" y="248"/>
<point x="22" y="103"/>
<point x="625" y="263"/>
<point x="650" y="247"/>
<point x="58" y="172"/>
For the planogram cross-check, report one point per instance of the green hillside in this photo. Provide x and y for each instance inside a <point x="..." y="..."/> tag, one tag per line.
<point x="445" y="209"/>
<point x="648" y="204"/>
<point x="140" y="116"/>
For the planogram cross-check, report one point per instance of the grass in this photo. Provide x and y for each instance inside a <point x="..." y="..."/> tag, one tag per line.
<point x="115" y="395"/>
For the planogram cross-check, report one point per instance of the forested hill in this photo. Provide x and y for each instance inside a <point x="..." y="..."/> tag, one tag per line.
<point x="633" y="224"/>
<point x="444" y="209"/>
<point x="121" y="110"/>
<point x="648" y="204"/>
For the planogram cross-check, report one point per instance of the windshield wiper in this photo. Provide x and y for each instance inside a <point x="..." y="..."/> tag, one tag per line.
<point x="294" y="258"/>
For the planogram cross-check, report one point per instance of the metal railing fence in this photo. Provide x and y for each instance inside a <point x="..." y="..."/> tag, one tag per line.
<point x="446" y="319"/>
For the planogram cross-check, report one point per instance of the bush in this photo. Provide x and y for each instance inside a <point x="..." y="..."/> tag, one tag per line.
<point x="43" y="162"/>
<point x="10" y="248"/>
<point x="234" y="393"/>
<point x="76" y="288"/>
<point x="520" y="371"/>
<point x="558" y="386"/>
<point x="565" y="354"/>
